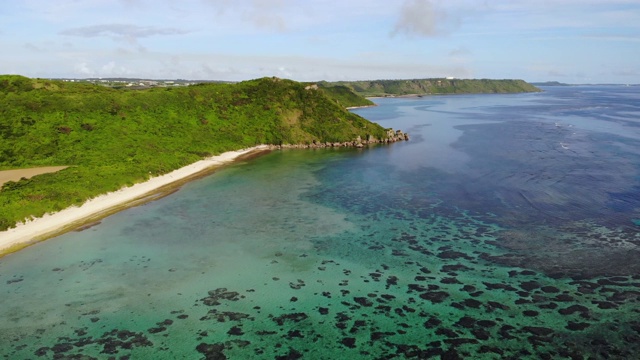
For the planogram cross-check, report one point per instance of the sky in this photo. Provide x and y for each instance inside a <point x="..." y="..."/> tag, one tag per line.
<point x="572" y="41"/>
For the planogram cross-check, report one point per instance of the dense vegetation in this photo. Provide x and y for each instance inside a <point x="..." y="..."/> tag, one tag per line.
<point x="434" y="86"/>
<point x="116" y="137"/>
<point x="344" y="95"/>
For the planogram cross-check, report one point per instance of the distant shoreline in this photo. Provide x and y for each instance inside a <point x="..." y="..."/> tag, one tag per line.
<point x="74" y="217"/>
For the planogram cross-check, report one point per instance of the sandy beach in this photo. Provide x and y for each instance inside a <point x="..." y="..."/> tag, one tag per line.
<point x="54" y="224"/>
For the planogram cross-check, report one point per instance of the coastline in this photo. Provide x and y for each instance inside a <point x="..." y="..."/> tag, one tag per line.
<point x="50" y="225"/>
<point x="360" y="107"/>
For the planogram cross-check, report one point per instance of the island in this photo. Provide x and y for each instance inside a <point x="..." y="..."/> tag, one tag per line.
<point x="87" y="140"/>
<point x="437" y="86"/>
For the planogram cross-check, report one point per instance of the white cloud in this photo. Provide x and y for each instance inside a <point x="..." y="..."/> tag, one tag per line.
<point x="423" y="18"/>
<point x="122" y="31"/>
<point x="83" y="69"/>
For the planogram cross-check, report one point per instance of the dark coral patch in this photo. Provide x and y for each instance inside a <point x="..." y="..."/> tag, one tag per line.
<point x="450" y="280"/>
<point x="235" y="331"/>
<point x="563" y="298"/>
<point x="349" y="342"/>
<point x="434" y="296"/>
<point x="293" y="354"/>
<point x="294" y="317"/>
<point x="550" y="289"/>
<point x="605" y="305"/>
<point x="530" y="285"/>
<point x="538" y="330"/>
<point x="363" y="301"/>
<point x="472" y="303"/>
<point x="573" y="309"/>
<point x="486" y="323"/>
<point x="481" y="334"/>
<point x="215" y="296"/>
<point x="432" y="322"/>
<point x="447" y="332"/>
<point x="504" y="332"/>
<point x="450" y="254"/>
<point x="493" y="305"/>
<point x="466" y="322"/>
<point x="575" y="326"/>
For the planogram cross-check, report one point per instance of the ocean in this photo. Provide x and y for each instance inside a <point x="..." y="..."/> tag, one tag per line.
<point x="507" y="227"/>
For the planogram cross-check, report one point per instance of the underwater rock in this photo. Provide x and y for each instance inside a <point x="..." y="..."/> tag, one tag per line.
<point x="295" y="317"/>
<point x="432" y="322"/>
<point x="156" y="330"/>
<point x="349" y="342"/>
<point x="447" y="332"/>
<point x="538" y="330"/>
<point x="504" y="332"/>
<point x="481" y="334"/>
<point x="434" y="296"/>
<point x="61" y="347"/>
<point x="466" y="322"/>
<point x="605" y="305"/>
<point x="297" y="285"/>
<point x="530" y="285"/>
<point x="450" y="280"/>
<point x="363" y="301"/>
<point x="472" y="303"/>
<point x="235" y="331"/>
<point x="498" y="286"/>
<point x="293" y="354"/>
<point x="563" y="298"/>
<point x="574" y="326"/>
<point x="215" y="296"/>
<point x="212" y="351"/>
<point x="450" y="254"/>
<point x="550" y="289"/>
<point x="573" y="309"/>
<point x="486" y="323"/>
<point x="294" y="334"/>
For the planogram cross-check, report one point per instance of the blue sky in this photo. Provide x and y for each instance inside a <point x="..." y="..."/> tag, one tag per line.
<point x="574" y="41"/>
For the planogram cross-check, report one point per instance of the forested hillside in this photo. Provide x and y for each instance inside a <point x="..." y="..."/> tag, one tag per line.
<point x="111" y="137"/>
<point x="434" y="86"/>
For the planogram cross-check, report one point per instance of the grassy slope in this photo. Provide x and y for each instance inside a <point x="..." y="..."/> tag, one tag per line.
<point x="119" y="137"/>
<point x="344" y="95"/>
<point x="435" y="86"/>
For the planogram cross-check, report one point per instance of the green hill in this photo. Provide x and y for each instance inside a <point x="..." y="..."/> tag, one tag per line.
<point x="116" y="137"/>
<point x="434" y="86"/>
<point x="344" y="95"/>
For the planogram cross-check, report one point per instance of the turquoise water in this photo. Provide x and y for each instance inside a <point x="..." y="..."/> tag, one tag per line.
<point x="506" y="228"/>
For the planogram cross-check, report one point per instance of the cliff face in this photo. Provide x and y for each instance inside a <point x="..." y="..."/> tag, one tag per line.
<point x="435" y="86"/>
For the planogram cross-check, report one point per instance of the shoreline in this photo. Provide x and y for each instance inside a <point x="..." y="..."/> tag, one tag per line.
<point x="74" y="217"/>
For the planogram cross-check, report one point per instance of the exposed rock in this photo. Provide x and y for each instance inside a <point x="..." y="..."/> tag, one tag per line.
<point x="392" y="136"/>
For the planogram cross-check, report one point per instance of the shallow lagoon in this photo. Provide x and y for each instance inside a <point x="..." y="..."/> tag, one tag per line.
<point x="506" y="228"/>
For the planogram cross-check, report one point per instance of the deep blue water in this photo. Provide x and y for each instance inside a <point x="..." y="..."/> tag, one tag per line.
<point x="507" y="227"/>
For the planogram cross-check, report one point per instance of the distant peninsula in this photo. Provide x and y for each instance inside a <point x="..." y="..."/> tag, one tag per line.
<point x="105" y="138"/>
<point x="437" y="86"/>
<point x="549" y="83"/>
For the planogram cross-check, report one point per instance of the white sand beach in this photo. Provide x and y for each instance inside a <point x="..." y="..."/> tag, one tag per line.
<point x="52" y="224"/>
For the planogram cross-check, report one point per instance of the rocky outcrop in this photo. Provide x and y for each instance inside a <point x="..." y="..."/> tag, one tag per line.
<point x="392" y="136"/>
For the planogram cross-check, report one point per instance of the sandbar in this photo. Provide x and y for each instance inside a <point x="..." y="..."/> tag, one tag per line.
<point x="38" y="229"/>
